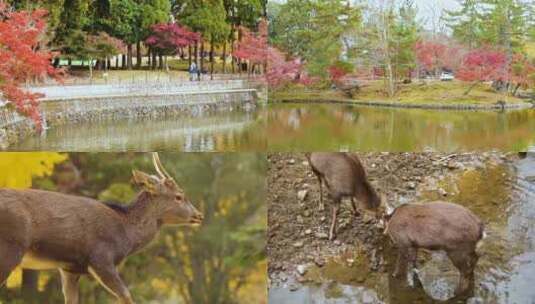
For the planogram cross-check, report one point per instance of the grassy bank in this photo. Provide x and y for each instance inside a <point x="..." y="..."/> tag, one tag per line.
<point x="435" y="92"/>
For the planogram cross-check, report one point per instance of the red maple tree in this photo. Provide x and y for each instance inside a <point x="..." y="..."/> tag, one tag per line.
<point x="483" y="65"/>
<point x="522" y="72"/>
<point x="282" y="71"/>
<point x="23" y="58"/>
<point x="253" y="47"/>
<point x="435" y="56"/>
<point x="169" y="37"/>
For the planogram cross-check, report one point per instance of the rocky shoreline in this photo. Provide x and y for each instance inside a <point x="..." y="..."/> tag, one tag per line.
<point x="431" y="106"/>
<point x="297" y="235"/>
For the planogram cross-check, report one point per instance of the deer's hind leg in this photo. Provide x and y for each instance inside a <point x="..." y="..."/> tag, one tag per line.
<point x="464" y="260"/>
<point x="354" y="205"/>
<point x="69" y="284"/>
<point x="10" y="257"/>
<point x="107" y="275"/>
<point x="332" y="230"/>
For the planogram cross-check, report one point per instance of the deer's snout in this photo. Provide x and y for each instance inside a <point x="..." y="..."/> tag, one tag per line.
<point x="197" y="218"/>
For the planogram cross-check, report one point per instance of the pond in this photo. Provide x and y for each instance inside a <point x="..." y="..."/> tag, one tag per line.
<point x="502" y="195"/>
<point x="223" y="131"/>
<point x="336" y="127"/>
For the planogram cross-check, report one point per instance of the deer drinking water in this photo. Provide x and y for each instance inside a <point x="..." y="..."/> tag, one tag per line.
<point x="344" y="176"/>
<point x="77" y="235"/>
<point x="436" y="226"/>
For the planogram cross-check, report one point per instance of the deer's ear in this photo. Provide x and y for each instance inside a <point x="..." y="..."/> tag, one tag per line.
<point x="144" y="180"/>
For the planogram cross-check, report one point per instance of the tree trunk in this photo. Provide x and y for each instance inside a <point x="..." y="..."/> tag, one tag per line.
<point x="29" y="288"/>
<point x="189" y="56"/>
<point x="202" y="56"/>
<point x="160" y="61"/>
<point x="232" y="62"/>
<point x="212" y="59"/>
<point x="138" y="54"/>
<point x="90" y="64"/>
<point x="224" y="57"/>
<point x="56" y="62"/>
<point x="129" y="58"/>
<point x="117" y="62"/>
<point x="195" y="50"/>
<point x="123" y="61"/>
<point x="153" y="61"/>
<point x="471" y="87"/>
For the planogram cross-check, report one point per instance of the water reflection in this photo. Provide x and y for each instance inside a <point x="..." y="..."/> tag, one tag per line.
<point x="312" y="127"/>
<point x="236" y="131"/>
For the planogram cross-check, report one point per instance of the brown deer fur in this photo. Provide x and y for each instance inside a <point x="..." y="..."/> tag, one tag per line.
<point x="344" y="176"/>
<point x="436" y="226"/>
<point x="49" y="230"/>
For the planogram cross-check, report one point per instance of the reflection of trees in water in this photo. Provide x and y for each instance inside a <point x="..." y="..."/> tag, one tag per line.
<point x="220" y="262"/>
<point x="396" y="129"/>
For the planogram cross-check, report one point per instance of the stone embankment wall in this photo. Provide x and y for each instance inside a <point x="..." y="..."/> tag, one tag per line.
<point x="72" y="104"/>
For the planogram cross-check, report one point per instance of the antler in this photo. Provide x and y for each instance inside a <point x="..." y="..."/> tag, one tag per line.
<point x="159" y="167"/>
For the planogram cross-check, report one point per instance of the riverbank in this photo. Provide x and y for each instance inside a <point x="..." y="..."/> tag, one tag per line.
<point x="93" y="103"/>
<point x="423" y="95"/>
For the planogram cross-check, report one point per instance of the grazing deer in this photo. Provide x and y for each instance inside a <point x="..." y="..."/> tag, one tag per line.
<point x="77" y="235"/>
<point x="344" y="176"/>
<point x="436" y="226"/>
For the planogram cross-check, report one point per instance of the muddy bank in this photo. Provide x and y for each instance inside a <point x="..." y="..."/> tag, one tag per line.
<point x="305" y="265"/>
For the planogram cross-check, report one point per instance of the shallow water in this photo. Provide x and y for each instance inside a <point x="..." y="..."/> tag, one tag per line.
<point x="234" y="131"/>
<point x="503" y="196"/>
<point x="334" y="127"/>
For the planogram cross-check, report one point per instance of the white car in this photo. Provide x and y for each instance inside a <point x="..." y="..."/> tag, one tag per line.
<point x="446" y="76"/>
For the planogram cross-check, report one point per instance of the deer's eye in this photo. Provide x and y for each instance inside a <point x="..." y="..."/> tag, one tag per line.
<point x="178" y="197"/>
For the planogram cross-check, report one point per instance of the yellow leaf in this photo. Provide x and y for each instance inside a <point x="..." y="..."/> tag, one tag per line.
<point x="18" y="169"/>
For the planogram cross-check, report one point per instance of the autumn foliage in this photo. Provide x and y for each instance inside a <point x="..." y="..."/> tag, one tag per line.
<point x="253" y="47"/>
<point x="169" y="37"/>
<point x="483" y="65"/>
<point x="23" y="58"/>
<point x="282" y="71"/>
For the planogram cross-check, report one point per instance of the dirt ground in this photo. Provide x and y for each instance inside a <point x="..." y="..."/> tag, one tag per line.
<point x="298" y="231"/>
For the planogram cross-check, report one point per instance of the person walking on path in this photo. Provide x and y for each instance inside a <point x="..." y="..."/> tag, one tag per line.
<point x="192" y="71"/>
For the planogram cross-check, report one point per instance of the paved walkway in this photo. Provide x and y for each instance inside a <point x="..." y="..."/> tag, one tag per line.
<point x="152" y="88"/>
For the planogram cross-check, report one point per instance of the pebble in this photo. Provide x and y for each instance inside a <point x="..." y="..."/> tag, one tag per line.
<point x="302" y="194"/>
<point x="442" y="192"/>
<point x="298" y="244"/>
<point x="322" y="235"/>
<point x="293" y="287"/>
<point x="411" y="185"/>
<point x="291" y="161"/>
<point x="337" y="242"/>
<point x="308" y="231"/>
<point x="301" y="269"/>
<point x="319" y="262"/>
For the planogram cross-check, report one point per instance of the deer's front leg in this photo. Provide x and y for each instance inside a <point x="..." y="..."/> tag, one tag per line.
<point x="69" y="284"/>
<point x="401" y="264"/>
<point x="107" y="275"/>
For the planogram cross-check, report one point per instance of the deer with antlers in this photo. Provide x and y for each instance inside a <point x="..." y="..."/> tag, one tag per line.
<point x="78" y="235"/>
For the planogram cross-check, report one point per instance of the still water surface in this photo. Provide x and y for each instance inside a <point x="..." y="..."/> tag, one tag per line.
<point x="334" y="127"/>
<point x="234" y="131"/>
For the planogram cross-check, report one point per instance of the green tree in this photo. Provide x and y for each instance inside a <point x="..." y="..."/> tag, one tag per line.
<point x="209" y="18"/>
<point x="315" y="31"/>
